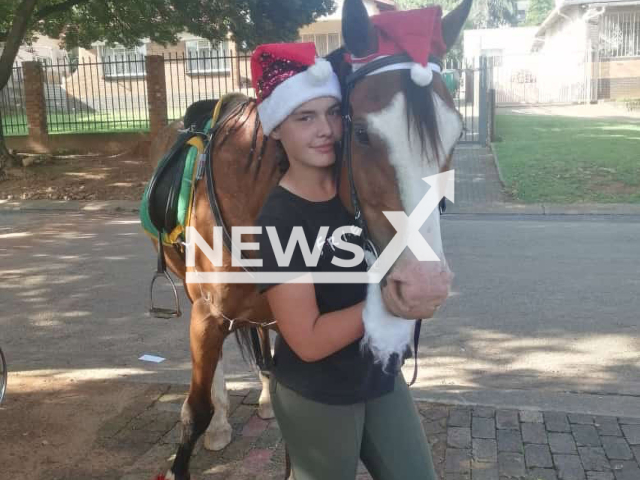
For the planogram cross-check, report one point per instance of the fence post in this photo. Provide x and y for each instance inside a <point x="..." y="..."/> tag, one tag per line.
<point x="35" y="106"/>
<point x="156" y="93"/>
<point x="483" y="117"/>
<point x="236" y="66"/>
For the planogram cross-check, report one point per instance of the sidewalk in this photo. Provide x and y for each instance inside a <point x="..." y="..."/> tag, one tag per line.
<point x="478" y="191"/>
<point x="468" y="443"/>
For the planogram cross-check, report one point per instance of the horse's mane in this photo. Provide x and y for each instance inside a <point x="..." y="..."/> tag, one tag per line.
<point x="420" y="106"/>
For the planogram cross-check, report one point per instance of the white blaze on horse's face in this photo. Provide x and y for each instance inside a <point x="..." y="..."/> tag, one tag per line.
<point x="414" y="289"/>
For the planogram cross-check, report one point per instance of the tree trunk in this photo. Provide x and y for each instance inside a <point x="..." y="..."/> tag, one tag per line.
<point x="19" y="26"/>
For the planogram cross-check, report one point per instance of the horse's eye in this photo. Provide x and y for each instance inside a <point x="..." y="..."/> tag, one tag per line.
<point x="362" y="136"/>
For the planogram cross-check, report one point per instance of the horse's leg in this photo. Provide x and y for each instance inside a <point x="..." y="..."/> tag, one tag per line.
<point x="206" y="337"/>
<point x="218" y="434"/>
<point x="265" y="411"/>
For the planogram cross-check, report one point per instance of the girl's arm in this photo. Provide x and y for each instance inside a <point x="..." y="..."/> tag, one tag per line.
<point x="313" y="336"/>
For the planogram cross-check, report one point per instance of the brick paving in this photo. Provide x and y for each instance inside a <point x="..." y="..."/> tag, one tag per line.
<point x="467" y="442"/>
<point x="476" y="176"/>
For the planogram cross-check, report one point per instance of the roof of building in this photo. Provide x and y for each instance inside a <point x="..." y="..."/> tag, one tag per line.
<point x="555" y="14"/>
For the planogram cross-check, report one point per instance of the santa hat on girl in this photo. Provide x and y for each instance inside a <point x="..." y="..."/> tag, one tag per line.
<point x="418" y="33"/>
<point x="286" y="75"/>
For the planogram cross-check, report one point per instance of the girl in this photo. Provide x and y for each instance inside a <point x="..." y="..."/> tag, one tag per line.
<point x="334" y="405"/>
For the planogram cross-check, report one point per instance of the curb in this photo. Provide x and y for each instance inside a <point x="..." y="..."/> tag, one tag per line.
<point x="495" y="160"/>
<point x="498" y="208"/>
<point x="107" y="206"/>
<point x="508" y="208"/>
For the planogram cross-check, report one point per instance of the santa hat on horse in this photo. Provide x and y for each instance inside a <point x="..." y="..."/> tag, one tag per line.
<point x="286" y="75"/>
<point x="416" y="33"/>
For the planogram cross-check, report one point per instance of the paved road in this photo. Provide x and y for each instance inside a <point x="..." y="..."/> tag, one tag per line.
<point x="544" y="312"/>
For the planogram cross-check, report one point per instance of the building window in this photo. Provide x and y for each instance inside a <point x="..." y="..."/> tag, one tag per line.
<point x="620" y="35"/>
<point x="325" y="42"/>
<point x="494" y="55"/>
<point x="123" y="62"/>
<point x="203" y="57"/>
<point x="44" y="61"/>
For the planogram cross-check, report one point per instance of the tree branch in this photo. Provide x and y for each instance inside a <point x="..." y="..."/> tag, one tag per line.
<point x="58" y="7"/>
<point x="19" y="26"/>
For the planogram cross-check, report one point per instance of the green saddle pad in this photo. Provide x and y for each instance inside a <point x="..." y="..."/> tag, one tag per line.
<point x="185" y="196"/>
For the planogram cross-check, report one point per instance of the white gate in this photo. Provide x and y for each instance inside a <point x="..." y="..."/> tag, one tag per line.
<point x="541" y="78"/>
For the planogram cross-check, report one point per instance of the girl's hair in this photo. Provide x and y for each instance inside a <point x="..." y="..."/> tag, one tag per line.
<point x="283" y="160"/>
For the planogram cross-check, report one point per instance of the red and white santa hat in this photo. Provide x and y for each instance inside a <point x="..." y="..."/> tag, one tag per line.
<point x="286" y="75"/>
<point x="417" y="33"/>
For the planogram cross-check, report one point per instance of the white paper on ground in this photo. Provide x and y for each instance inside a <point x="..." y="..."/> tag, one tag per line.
<point x="151" y="358"/>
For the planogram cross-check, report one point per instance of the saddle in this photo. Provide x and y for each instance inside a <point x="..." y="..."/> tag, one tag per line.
<point x="165" y="204"/>
<point x="165" y="210"/>
<point x="167" y="200"/>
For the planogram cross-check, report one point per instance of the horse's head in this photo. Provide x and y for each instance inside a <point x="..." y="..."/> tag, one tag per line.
<point x="400" y="133"/>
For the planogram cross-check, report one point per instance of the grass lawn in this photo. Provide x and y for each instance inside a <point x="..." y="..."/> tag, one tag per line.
<point x="81" y="123"/>
<point x="566" y="160"/>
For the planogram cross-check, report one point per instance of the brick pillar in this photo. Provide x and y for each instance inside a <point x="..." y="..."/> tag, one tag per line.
<point x="156" y="93"/>
<point x="235" y="64"/>
<point x="35" y="106"/>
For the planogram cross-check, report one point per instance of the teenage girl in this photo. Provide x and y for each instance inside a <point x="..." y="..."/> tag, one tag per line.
<point x="334" y="405"/>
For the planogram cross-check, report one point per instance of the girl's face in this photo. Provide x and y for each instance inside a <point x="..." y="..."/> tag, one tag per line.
<point x="308" y="135"/>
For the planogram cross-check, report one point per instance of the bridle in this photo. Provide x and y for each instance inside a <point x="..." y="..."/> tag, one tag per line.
<point x="368" y="243"/>
<point x="350" y="83"/>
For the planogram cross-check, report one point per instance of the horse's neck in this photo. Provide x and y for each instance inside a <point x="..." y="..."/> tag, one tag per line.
<point x="245" y="170"/>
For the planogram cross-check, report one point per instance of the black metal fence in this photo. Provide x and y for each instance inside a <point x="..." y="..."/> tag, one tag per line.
<point x="110" y="94"/>
<point x="97" y="96"/>
<point x="190" y="78"/>
<point x="467" y="83"/>
<point x="12" y="105"/>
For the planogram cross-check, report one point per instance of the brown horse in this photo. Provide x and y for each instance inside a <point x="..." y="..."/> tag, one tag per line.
<point x="400" y="133"/>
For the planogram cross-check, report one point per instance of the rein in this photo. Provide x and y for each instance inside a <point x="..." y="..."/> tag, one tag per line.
<point x="205" y="167"/>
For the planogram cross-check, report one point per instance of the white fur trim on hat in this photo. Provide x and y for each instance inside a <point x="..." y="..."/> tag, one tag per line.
<point x="295" y="91"/>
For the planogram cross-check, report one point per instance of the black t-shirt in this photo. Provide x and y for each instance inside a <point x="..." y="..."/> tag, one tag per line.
<point x="348" y="375"/>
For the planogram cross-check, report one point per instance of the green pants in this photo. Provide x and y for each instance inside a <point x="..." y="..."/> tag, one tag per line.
<point x="326" y="441"/>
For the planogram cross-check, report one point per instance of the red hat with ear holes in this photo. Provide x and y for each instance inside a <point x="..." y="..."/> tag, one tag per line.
<point x="418" y="33"/>
<point x="286" y="75"/>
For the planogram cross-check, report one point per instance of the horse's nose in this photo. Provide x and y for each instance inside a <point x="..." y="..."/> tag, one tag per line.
<point x="416" y="297"/>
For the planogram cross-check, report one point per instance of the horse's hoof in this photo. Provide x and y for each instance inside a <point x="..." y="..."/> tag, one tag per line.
<point x="265" y="411"/>
<point x="217" y="439"/>
<point x="170" y="476"/>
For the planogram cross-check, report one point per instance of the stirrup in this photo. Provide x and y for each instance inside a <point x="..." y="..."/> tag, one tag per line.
<point x="160" y="312"/>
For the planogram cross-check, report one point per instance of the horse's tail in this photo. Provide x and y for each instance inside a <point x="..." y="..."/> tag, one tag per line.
<point x="255" y="346"/>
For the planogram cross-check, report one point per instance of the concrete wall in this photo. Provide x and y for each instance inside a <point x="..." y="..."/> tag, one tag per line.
<point x="105" y="143"/>
<point x="619" y="79"/>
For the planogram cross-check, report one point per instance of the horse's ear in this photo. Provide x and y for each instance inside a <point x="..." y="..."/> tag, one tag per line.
<point x="453" y="22"/>
<point x="357" y="31"/>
